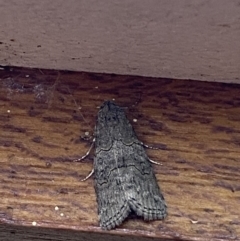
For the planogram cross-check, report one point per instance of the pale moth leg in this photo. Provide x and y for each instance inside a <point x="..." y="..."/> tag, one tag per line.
<point x="153" y="148"/>
<point x="80" y="159"/>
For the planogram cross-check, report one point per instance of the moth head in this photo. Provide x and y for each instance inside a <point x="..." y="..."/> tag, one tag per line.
<point x="109" y="113"/>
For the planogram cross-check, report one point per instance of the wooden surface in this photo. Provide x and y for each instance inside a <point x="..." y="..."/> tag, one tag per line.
<point x="45" y="118"/>
<point x="188" y="39"/>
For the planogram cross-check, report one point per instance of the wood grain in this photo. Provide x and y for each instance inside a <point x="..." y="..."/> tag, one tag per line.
<point x="45" y="118"/>
<point x="168" y="38"/>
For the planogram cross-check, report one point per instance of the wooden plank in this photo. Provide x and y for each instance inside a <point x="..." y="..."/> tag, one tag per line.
<point x="44" y="124"/>
<point x="168" y="38"/>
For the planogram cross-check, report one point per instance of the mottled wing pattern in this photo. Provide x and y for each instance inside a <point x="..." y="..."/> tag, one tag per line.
<point x="113" y="207"/>
<point x="112" y="124"/>
<point x="143" y="193"/>
<point x="124" y="178"/>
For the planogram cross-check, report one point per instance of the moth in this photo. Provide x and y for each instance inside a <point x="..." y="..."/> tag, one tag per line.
<point x="124" y="180"/>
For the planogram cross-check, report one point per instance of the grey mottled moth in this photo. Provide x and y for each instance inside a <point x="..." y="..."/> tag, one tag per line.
<point x="123" y="174"/>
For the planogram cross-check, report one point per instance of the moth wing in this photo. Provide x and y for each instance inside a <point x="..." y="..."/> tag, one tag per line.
<point x="113" y="207"/>
<point x="127" y="133"/>
<point x="103" y="139"/>
<point x="145" y="199"/>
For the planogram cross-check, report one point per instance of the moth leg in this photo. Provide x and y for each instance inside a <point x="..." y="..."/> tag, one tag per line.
<point x="92" y="171"/>
<point x="150" y="147"/>
<point x="154" y="162"/>
<point x="89" y="175"/>
<point x="153" y="148"/>
<point x="81" y="158"/>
